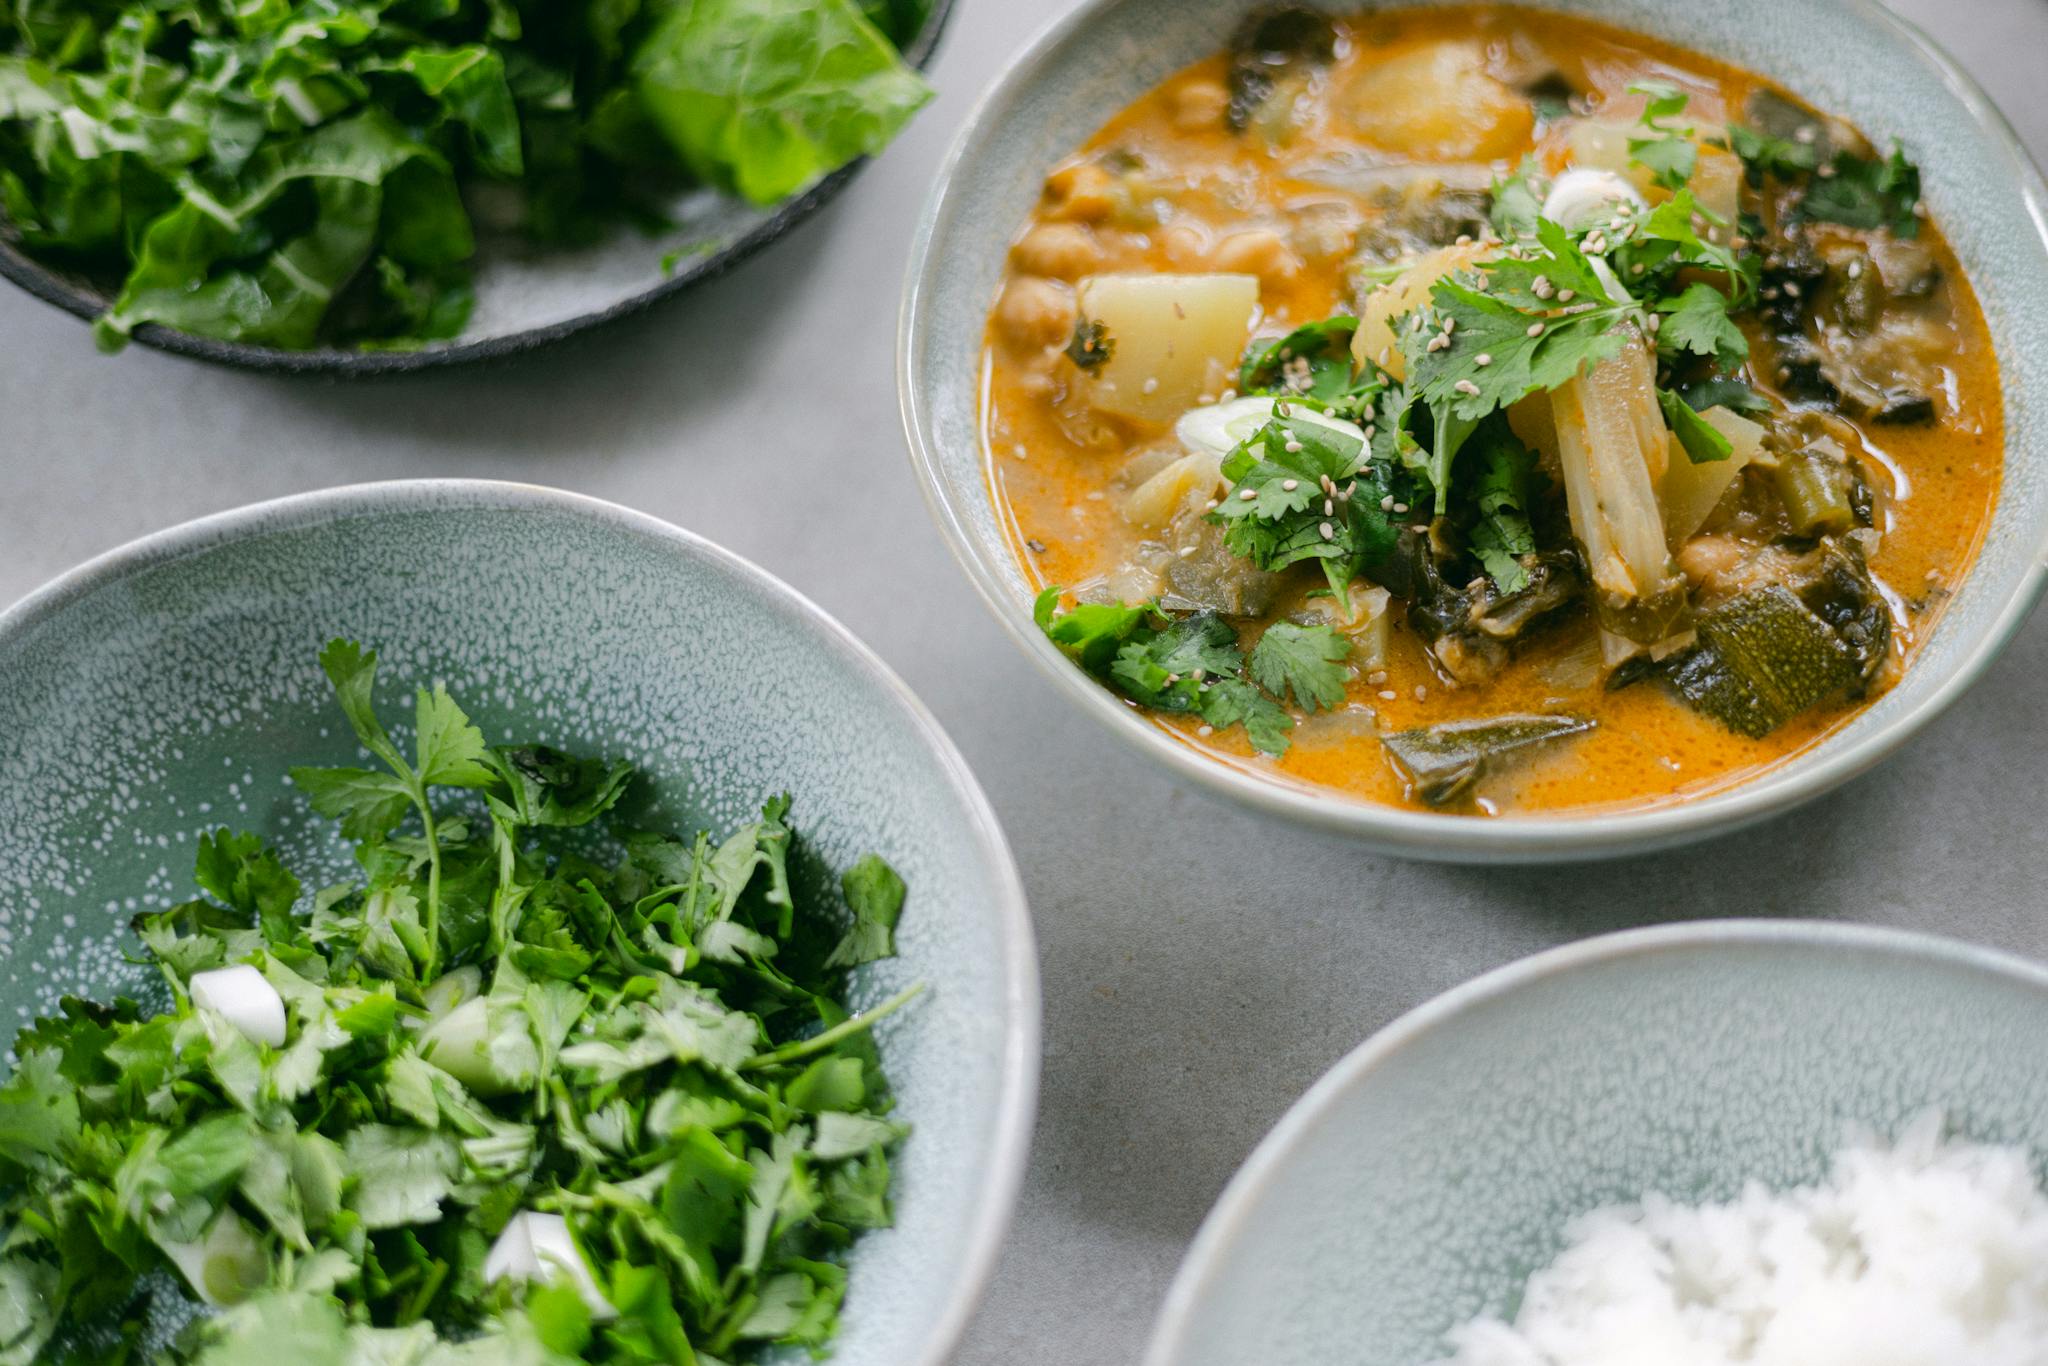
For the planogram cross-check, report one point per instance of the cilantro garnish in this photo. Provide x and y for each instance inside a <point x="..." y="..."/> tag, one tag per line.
<point x="1667" y="152"/>
<point x="1191" y="665"/>
<point x="1091" y="346"/>
<point x="490" y="1027"/>
<point x="1861" y="193"/>
<point x="1307" y="661"/>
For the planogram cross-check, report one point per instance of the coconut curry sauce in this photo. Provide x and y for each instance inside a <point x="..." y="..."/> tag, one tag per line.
<point x="1648" y="575"/>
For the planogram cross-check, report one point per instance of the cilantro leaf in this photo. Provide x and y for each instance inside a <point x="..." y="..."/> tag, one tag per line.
<point x="1501" y="532"/>
<point x="1861" y="193"/>
<point x="1703" y="442"/>
<point x="1697" y="321"/>
<point x="1668" y="153"/>
<point x="1307" y="661"/>
<point x="1234" y="702"/>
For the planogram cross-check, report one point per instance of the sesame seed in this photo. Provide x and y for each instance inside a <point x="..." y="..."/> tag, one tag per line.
<point x="1565" y="296"/>
<point x="1636" y="269"/>
<point x="1215" y="503"/>
<point x="1368" y="431"/>
<point x="1826" y="172"/>
<point x="1483" y="358"/>
<point x="1376" y="677"/>
<point x="1792" y="289"/>
<point x="1541" y="286"/>
<point x="1416" y="325"/>
<point x="1248" y="495"/>
<point x="1653" y="322"/>
<point x="1397" y="507"/>
<point x="1437" y="343"/>
<point x="1855" y="271"/>
<point x="1205" y="731"/>
<point x="1535" y="329"/>
<point x="1329" y="533"/>
<point x="1019" y="451"/>
<point x="1292" y="446"/>
<point x="1150" y="386"/>
<point x="1420" y="692"/>
<point x="1329" y="507"/>
<point x="1388" y="695"/>
<point x="1466" y="386"/>
<point x="1450" y="326"/>
<point x="1290" y="484"/>
<point x="1188" y="550"/>
<point x="1387" y="503"/>
<point x="1806" y="134"/>
<point x="1464" y="239"/>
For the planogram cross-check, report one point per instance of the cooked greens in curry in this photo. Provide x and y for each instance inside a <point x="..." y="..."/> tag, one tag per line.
<point x="1489" y="410"/>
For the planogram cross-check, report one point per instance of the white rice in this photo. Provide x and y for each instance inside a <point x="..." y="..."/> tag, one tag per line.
<point x="1924" y="1253"/>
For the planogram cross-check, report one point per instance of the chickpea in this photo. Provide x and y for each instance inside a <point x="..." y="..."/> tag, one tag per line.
<point x="1064" y="251"/>
<point x="1082" y="193"/>
<point x="1184" y="245"/>
<point x="1200" y="104"/>
<point x="1034" y="314"/>
<point x="1261" y="252"/>
<point x="1706" y="557"/>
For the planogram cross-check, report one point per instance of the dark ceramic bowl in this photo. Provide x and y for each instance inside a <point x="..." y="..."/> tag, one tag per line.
<point x="525" y="297"/>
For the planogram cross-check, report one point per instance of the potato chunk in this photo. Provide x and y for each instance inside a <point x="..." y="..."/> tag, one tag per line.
<point x="1437" y="103"/>
<point x="1374" y="341"/>
<point x="1690" y="492"/>
<point x="1171" y="338"/>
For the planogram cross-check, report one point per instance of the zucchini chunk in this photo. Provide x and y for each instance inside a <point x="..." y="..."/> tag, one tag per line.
<point x="1443" y="763"/>
<point x="1764" y="657"/>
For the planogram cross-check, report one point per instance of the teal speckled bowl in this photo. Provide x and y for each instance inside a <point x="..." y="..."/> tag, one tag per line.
<point x="1850" y="57"/>
<point x="165" y="688"/>
<point x="1428" y="1173"/>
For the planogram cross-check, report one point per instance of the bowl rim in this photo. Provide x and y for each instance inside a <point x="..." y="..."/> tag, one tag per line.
<point x="1022" y="1001"/>
<point x="1249" y="1185"/>
<point x="62" y="290"/>
<point x="1436" y="836"/>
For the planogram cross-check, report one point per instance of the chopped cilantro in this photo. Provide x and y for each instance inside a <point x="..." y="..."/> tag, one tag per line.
<point x="1191" y="665"/>
<point x="1091" y="345"/>
<point x="488" y="1023"/>
<point x="1668" y="152"/>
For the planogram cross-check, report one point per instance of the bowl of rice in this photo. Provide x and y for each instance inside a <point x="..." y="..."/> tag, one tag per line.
<point x="1767" y="1143"/>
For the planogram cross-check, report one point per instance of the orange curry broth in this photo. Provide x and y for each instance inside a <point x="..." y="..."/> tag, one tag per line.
<point x="1051" y="464"/>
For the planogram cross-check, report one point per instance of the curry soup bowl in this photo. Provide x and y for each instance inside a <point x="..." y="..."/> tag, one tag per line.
<point x="1423" y="1179"/>
<point x="165" y="688"/>
<point x="1849" y="57"/>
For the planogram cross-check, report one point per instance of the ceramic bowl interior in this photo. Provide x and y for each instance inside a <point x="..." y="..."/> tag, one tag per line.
<point x="1424" y="1178"/>
<point x="526" y="297"/>
<point x="1847" y="56"/>
<point x="165" y="689"/>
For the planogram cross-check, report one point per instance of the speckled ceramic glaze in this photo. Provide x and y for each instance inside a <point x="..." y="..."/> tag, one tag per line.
<point x="1423" y="1179"/>
<point x="164" y="689"/>
<point x="1848" y="56"/>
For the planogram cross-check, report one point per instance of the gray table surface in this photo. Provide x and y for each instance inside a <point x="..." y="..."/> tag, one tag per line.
<point x="1202" y="966"/>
